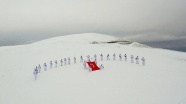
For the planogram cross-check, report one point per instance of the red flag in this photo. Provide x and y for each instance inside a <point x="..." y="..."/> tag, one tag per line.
<point x="93" y="66"/>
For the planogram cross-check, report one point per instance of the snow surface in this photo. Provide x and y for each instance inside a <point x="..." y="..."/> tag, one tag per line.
<point x="161" y="81"/>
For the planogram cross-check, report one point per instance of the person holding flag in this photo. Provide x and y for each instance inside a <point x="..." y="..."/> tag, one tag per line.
<point x="95" y="61"/>
<point x="101" y="66"/>
<point x="88" y="58"/>
<point x="84" y="64"/>
<point x="95" y="56"/>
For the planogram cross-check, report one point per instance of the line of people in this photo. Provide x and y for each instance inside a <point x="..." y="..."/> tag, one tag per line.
<point x="125" y="58"/>
<point x="67" y="61"/>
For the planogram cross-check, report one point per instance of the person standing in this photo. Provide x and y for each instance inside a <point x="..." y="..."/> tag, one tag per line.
<point x="132" y="57"/>
<point x="65" y="60"/>
<point x="45" y="66"/>
<point x="74" y="59"/>
<point x="69" y="60"/>
<point x="125" y="57"/>
<point x="51" y="64"/>
<point x="114" y="56"/>
<point x="36" y="70"/>
<point x="137" y="60"/>
<point x="143" y="61"/>
<point x="39" y="68"/>
<point x="56" y="63"/>
<point x="84" y="64"/>
<point x="95" y="61"/>
<point x="101" y="57"/>
<point x="108" y="58"/>
<point x="61" y="62"/>
<point x="95" y="56"/>
<point x="88" y="58"/>
<point x="120" y="57"/>
<point x="81" y="59"/>
<point x="35" y="75"/>
<point x="101" y="66"/>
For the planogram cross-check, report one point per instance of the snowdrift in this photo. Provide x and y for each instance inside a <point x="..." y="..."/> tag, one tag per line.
<point x="161" y="81"/>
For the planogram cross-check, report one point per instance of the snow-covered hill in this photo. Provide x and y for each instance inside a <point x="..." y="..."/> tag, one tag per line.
<point x="161" y="81"/>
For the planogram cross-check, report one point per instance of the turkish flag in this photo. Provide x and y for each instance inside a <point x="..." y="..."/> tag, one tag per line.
<point x="93" y="66"/>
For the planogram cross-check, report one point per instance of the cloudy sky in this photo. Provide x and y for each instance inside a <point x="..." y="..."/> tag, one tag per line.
<point x="25" y="21"/>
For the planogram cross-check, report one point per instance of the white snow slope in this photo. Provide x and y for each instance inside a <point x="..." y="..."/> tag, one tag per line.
<point x="161" y="81"/>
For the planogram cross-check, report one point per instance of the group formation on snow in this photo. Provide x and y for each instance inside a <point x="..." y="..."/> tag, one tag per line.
<point x="67" y="61"/>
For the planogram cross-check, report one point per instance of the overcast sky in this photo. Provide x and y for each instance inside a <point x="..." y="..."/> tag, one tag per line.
<point x="25" y="21"/>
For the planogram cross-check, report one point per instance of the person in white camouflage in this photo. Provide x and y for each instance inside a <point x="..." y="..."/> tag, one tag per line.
<point x="101" y="57"/>
<point x="108" y="58"/>
<point x="61" y="62"/>
<point x="132" y="57"/>
<point x="125" y="57"/>
<point x="114" y="56"/>
<point x="137" y="60"/>
<point x="35" y="75"/>
<point x="101" y="66"/>
<point x="51" y="64"/>
<point x="39" y="68"/>
<point x="120" y="57"/>
<point x="81" y="59"/>
<point x="56" y="63"/>
<point x="74" y="59"/>
<point x="69" y="60"/>
<point x="95" y="56"/>
<point x="45" y="66"/>
<point x="65" y="61"/>
<point x="88" y="58"/>
<point x="85" y="64"/>
<point x="143" y="61"/>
